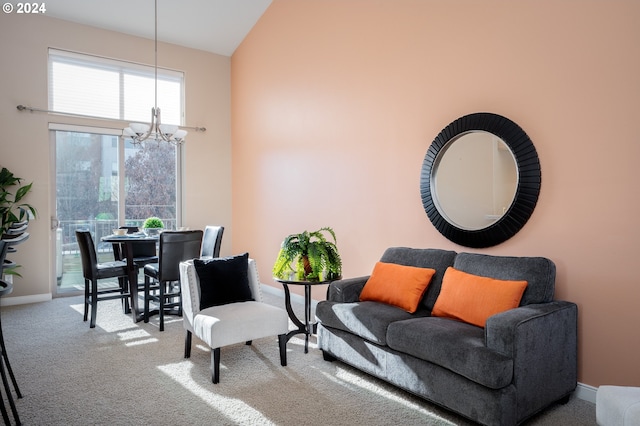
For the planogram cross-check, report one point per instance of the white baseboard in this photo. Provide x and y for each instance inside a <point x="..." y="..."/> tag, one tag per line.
<point x="586" y="392"/>
<point x="23" y="300"/>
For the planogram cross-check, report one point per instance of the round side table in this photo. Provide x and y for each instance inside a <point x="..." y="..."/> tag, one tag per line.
<point x="307" y="327"/>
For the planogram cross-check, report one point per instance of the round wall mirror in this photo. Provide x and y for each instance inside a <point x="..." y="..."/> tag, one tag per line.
<point x="480" y="180"/>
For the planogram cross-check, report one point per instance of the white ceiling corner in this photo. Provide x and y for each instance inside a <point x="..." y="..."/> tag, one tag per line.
<point x="216" y="26"/>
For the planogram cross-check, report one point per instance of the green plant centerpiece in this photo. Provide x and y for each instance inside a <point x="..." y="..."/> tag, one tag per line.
<point x="152" y="225"/>
<point x="310" y="256"/>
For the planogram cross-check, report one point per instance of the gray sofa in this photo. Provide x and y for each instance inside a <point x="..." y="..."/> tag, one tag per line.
<point x="520" y="363"/>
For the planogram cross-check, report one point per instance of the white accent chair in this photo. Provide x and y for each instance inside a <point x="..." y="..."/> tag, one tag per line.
<point x="231" y="323"/>
<point x="618" y="406"/>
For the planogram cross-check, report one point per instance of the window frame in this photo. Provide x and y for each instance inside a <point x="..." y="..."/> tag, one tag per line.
<point x="123" y="68"/>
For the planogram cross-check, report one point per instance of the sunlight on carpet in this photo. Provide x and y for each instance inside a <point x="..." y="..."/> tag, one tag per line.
<point x="122" y="326"/>
<point x="233" y="409"/>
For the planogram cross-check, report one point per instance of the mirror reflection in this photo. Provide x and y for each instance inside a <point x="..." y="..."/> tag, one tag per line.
<point x="474" y="180"/>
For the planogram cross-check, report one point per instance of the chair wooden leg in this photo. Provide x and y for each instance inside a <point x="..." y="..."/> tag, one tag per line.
<point x="147" y="284"/>
<point x="162" y="302"/>
<point x="187" y="345"/>
<point x="86" y="299"/>
<point x="178" y="297"/>
<point x="215" y="365"/>
<point x="124" y="289"/>
<point x="282" y="341"/>
<point x="94" y="303"/>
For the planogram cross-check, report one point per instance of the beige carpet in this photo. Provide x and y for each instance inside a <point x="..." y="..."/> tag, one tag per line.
<point x="121" y="373"/>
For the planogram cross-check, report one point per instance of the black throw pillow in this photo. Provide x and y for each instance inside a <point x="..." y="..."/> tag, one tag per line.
<point x="223" y="280"/>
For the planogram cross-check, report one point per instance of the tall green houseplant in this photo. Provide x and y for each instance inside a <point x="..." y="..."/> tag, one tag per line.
<point x="310" y="256"/>
<point x="14" y="213"/>
<point x="12" y="208"/>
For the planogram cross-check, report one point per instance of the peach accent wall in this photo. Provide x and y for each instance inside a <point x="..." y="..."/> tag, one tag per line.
<point x="334" y="104"/>
<point x="25" y="147"/>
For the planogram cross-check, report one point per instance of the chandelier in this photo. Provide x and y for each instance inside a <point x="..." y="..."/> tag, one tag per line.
<point x="140" y="132"/>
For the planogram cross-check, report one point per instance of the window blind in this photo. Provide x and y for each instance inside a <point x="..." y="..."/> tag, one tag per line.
<point x="101" y="87"/>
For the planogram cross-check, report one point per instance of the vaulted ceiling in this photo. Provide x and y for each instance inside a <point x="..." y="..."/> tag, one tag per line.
<point x="216" y="26"/>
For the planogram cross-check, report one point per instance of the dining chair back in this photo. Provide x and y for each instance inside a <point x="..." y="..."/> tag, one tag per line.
<point x="211" y="241"/>
<point x="162" y="279"/>
<point x="93" y="271"/>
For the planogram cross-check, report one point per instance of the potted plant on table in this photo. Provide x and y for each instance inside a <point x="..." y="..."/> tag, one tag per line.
<point x="153" y="226"/>
<point x="310" y="256"/>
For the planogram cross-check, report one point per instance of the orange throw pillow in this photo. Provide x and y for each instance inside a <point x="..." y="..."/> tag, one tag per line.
<point x="473" y="299"/>
<point x="397" y="285"/>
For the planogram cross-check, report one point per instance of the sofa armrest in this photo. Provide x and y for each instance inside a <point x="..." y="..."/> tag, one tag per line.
<point x="346" y="290"/>
<point x="501" y="330"/>
<point x="542" y="341"/>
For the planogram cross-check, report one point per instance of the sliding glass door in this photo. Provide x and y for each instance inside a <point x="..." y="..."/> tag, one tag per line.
<point x="102" y="182"/>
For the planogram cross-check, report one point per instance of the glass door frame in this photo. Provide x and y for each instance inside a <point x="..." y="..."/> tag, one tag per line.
<point x="56" y="268"/>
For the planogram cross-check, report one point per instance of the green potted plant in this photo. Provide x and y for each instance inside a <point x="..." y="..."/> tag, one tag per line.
<point x="14" y="213"/>
<point x="310" y="256"/>
<point x="152" y="225"/>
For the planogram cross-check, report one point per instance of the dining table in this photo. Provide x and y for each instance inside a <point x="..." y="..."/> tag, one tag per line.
<point x="123" y="250"/>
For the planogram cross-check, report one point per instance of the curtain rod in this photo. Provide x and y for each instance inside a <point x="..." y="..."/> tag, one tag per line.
<point x="70" y="114"/>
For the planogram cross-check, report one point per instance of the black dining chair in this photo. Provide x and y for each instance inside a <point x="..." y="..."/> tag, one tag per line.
<point x="211" y="241"/>
<point x="94" y="271"/>
<point x="162" y="279"/>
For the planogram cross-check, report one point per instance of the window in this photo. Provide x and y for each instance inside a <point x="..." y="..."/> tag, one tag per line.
<point x="102" y="184"/>
<point x="106" y="88"/>
<point x="102" y="180"/>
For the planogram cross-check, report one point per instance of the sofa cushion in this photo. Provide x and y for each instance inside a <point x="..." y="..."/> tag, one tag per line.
<point x="369" y="320"/>
<point x="538" y="272"/>
<point x="473" y="299"/>
<point x="456" y="346"/>
<point x="423" y="258"/>
<point x="397" y="285"/>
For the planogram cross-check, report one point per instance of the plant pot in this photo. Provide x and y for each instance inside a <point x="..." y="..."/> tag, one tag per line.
<point x="152" y="232"/>
<point x="307" y="265"/>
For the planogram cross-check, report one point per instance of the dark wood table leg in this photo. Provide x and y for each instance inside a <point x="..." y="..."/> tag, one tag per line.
<point x="307" y="317"/>
<point x="133" y="282"/>
<point x="306" y="328"/>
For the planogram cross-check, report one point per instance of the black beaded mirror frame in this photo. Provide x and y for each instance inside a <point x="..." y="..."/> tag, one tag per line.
<point x="527" y="191"/>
